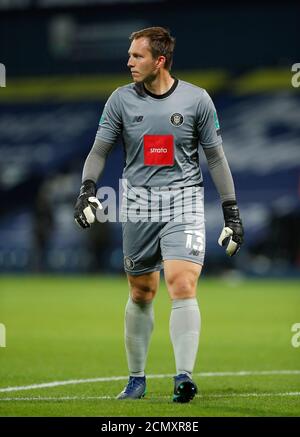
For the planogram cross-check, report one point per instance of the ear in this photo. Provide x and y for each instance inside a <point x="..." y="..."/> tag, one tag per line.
<point x="161" y="60"/>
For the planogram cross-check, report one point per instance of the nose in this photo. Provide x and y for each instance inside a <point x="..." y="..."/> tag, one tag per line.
<point x="130" y="62"/>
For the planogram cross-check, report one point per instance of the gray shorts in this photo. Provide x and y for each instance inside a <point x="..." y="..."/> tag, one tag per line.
<point x="146" y="244"/>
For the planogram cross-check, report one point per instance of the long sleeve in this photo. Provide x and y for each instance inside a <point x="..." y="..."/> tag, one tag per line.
<point x="220" y="172"/>
<point x="95" y="161"/>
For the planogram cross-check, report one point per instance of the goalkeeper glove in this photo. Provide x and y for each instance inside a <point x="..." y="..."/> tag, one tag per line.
<point x="86" y="205"/>
<point x="232" y="235"/>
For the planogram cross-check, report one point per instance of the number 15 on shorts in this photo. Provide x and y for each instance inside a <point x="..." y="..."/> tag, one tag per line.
<point x="194" y="240"/>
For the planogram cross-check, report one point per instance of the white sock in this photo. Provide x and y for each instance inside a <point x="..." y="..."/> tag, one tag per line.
<point x="139" y="321"/>
<point x="185" y="324"/>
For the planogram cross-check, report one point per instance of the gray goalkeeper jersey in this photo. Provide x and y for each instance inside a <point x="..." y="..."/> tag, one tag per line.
<point x="161" y="134"/>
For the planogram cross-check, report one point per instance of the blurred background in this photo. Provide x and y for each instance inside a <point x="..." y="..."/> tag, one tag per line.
<point x="63" y="58"/>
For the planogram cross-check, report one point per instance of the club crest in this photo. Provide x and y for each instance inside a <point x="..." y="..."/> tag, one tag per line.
<point x="176" y="119"/>
<point x="129" y="263"/>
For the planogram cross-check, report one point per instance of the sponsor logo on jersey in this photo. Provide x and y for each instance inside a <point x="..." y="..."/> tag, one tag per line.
<point x="156" y="150"/>
<point x="159" y="150"/>
<point x="176" y="119"/>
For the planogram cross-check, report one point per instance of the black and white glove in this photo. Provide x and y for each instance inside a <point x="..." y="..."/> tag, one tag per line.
<point x="86" y="205"/>
<point x="232" y="235"/>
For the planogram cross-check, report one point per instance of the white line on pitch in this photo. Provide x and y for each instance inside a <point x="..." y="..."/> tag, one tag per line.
<point x="92" y="398"/>
<point x="122" y="378"/>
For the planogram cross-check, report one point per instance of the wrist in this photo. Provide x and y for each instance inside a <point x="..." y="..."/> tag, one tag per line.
<point x="228" y="203"/>
<point x="231" y="211"/>
<point x="88" y="188"/>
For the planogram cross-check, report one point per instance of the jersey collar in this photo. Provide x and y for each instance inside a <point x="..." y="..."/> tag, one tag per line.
<point x="162" y="96"/>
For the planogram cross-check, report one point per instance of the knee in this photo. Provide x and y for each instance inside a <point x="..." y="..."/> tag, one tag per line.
<point x="142" y="293"/>
<point x="182" y="286"/>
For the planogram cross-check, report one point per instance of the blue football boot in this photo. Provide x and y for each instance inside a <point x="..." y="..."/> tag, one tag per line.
<point x="184" y="388"/>
<point x="135" y="389"/>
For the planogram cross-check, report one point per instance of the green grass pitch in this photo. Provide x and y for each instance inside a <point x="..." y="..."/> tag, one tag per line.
<point x="71" y="328"/>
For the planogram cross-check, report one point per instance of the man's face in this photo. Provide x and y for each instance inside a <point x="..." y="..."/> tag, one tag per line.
<point x="142" y="65"/>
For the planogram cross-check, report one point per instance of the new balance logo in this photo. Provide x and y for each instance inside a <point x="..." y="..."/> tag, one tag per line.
<point x="194" y="252"/>
<point x="138" y="118"/>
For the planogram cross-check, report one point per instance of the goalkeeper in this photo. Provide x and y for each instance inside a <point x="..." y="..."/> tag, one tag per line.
<point x="162" y="122"/>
